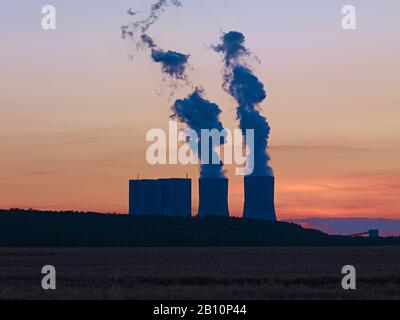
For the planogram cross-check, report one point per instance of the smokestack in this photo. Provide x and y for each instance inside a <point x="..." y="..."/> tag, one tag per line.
<point x="259" y="197"/>
<point x="213" y="197"/>
<point x="145" y="197"/>
<point x="176" y="197"/>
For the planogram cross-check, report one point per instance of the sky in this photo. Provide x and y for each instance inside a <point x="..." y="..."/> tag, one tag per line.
<point x="74" y="109"/>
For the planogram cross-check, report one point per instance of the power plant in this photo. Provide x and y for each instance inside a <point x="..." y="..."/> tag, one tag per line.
<point x="170" y="197"/>
<point x="259" y="197"/>
<point x="173" y="197"/>
<point x="213" y="197"/>
<point x="145" y="197"/>
<point x="176" y="197"/>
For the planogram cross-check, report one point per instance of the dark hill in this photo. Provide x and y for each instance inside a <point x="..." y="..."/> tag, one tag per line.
<point x="19" y="228"/>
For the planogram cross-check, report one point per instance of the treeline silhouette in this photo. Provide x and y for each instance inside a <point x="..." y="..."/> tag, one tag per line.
<point x="31" y="228"/>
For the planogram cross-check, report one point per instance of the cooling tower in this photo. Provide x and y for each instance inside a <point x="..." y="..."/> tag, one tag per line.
<point x="145" y="197"/>
<point x="259" y="198"/>
<point x="176" y="197"/>
<point x="213" y="197"/>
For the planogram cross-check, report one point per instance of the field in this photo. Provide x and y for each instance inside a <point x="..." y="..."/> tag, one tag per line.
<point x="200" y="273"/>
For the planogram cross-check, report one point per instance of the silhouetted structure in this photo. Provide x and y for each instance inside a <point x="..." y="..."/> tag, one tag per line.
<point x="373" y="233"/>
<point x="133" y="196"/>
<point x="213" y="197"/>
<point x="145" y="197"/>
<point x="259" y="197"/>
<point x="171" y="197"/>
<point x="134" y="186"/>
<point x="176" y="197"/>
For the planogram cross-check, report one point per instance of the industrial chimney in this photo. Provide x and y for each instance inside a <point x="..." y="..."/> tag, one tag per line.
<point x="259" y="197"/>
<point x="213" y="197"/>
<point x="176" y="197"/>
<point x="145" y="197"/>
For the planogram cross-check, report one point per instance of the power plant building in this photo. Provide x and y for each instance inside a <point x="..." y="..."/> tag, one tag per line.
<point x="171" y="197"/>
<point x="144" y="197"/>
<point x="176" y="197"/>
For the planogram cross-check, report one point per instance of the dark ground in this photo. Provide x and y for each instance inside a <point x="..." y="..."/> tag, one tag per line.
<point x="201" y="273"/>
<point x="19" y="228"/>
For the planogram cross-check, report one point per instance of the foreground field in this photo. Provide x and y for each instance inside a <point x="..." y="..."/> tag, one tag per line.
<point x="201" y="273"/>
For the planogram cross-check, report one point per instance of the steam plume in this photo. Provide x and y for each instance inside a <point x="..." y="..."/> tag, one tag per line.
<point x="174" y="64"/>
<point x="155" y="11"/>
<point x="232" y="46"/>
<point x="199" y="113"/>
<point x="249" y="92"/>
<point x="194" y="110"/>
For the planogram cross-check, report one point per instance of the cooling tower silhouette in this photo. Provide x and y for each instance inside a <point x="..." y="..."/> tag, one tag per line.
<point x="213" y="197"/>
<point x="176" y="197"/>
<point x="259" y="198"/>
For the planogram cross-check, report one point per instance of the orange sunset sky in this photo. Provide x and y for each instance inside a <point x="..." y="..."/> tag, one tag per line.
<point x="74" y="110"/>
